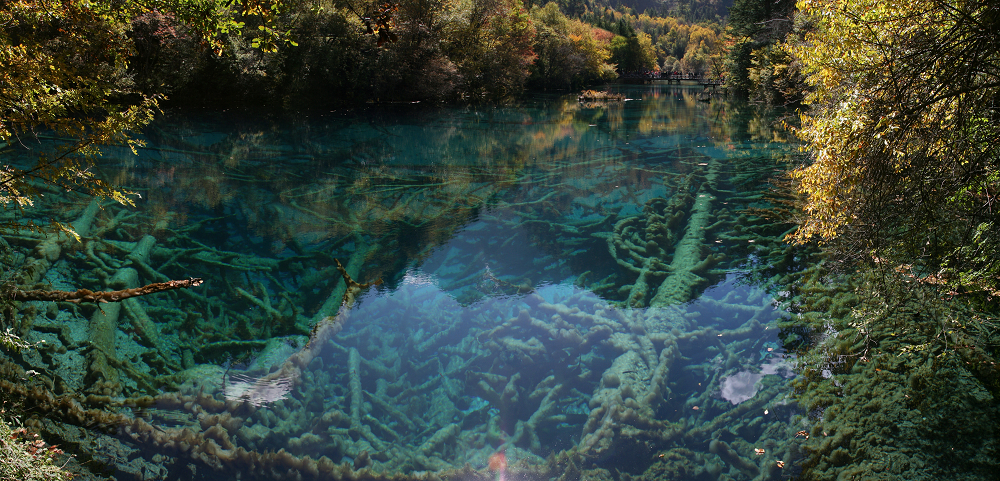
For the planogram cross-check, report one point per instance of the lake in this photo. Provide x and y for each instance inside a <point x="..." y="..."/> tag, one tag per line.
<point x="550" y="290"/>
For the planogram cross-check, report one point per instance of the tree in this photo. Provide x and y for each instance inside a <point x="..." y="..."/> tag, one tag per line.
<point x="490" y="45"/>
<point x="66" y="74"/>
<point x="568" y="54"/>
<point x="701" y="47"/>
<point x="633" y="53"/>
<point x="904" y="135"/>
<point x="555" y="64"/>
<point x="756" y="61"/>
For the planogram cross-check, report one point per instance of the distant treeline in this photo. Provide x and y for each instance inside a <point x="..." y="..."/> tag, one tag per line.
<point x="318" y="53"/>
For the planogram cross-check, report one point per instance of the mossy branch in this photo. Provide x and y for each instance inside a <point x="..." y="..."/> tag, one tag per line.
<point x="86" y="295"/>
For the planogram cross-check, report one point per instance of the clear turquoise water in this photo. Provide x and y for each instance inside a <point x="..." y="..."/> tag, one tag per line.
<point x="565" y="289"/>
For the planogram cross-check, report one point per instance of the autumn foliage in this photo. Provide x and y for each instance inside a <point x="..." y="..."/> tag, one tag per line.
<point x="903" y="134"/>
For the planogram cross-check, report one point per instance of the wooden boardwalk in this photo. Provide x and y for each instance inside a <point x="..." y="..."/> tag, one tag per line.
<point x="678" y="79"/>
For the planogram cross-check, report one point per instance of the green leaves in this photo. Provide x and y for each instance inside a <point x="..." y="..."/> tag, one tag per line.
<point x="633" y="53"/>
<point x="757" y="64"/>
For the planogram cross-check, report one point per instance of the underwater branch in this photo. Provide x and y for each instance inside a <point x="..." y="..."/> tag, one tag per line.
<point x="86" y="295"/>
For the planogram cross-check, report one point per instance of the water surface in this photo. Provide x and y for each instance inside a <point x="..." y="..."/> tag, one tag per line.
<point x="551" y="290"/>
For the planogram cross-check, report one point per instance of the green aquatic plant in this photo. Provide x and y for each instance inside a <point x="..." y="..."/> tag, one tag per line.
<point x="900" y="373"/>
<point x="985" y="330"/>
<point x="420" y="382"/>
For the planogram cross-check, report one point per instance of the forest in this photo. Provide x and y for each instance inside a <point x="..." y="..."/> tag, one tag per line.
<point x="329" y="54"/>
<point x="893" y="105"/>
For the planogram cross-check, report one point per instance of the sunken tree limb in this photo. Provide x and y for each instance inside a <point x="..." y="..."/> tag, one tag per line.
<point x="85" y="295"/>
<point x="354" y="288"/>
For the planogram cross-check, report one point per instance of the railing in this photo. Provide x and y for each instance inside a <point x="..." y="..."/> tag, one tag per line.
<point x="672" y="77"/>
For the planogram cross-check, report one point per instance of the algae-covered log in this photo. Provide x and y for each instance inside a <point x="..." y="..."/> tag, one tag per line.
<point x="48" y="251"/>
<point x="690" y="262"/>
<point x="666" y="247"/>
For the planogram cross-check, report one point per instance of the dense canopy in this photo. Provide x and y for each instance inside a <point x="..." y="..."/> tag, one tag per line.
<point x="903" y="133"/>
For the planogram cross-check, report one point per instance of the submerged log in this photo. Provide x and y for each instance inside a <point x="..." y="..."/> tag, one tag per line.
<point x="86" y="295"/>
<point x="49" y="250"/>
<point x="345" y="293"/>
<point x="691" y="258"/>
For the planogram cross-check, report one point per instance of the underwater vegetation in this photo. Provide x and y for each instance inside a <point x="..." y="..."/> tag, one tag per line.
<point x="537" y="311"/>
<point x="892" y="383"/>
<point x="573" y="293"/>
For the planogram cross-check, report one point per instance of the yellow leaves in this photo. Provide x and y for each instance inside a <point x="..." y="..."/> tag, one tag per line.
<point x="887" y="100"/>
<point x="60" y="227"/>
<point x="845" y="58"/>
<point x="63" y="77"/>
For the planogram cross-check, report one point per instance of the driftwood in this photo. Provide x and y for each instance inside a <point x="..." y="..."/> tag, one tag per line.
<point x="86" y="295"/>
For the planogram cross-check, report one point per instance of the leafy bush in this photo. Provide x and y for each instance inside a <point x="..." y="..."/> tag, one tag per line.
<point x="26" y="457"/>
